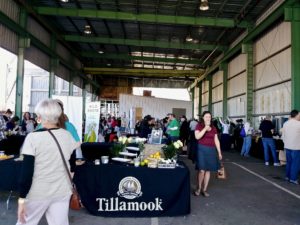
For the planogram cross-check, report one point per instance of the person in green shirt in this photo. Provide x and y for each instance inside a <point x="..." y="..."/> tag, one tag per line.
<point x="173" y="128"/>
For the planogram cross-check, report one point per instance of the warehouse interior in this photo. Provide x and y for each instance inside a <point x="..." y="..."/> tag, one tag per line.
<point x="233" y="55"/>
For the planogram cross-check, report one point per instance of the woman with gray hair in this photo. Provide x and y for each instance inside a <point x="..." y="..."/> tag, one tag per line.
<point x="44" y="184"/>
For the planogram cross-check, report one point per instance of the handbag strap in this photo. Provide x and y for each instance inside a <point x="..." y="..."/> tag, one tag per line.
<point x="62" y="156"/>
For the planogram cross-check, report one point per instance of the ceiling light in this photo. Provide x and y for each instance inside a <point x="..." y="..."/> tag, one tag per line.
<point x="204" y="5"/>
<point x="100" y="51"/>
<point x="87" y="29"/>
<point x="189" y="38"/>
<point x="108" y="64"/>
<point x="64" y="0"/>
<point x="195" y="41"/>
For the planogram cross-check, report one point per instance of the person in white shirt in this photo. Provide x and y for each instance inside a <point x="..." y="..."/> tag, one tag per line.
<point x="225" y="137"/>
<point x="290" y="137"/>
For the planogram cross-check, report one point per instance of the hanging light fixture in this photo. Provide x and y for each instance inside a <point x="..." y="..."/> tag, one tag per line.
<point x="204" y="5"/>
<point x="64" y="0"/>
<point x="100" y="51"/>
<point x="189" y="38"/>
<point x="87" y="29"/>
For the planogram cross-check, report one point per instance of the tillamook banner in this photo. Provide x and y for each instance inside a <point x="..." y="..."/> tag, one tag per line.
<point x="126" y="191"/>
<point x="92" y="120"/>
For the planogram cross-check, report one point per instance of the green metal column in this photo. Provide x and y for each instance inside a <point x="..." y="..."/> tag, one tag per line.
<point x="210" y="93"/>
<point x="200" y="98"/>
<point x="293" y="15"/>
<point x="71" y="84"/>
<point x="248" y="49"/>
<point x="84" y="91"/>
<point x="23" y="43"/>
<point x="53" y="67"/>
<point x="193" y="102"/>
<point x="224" y="68"/>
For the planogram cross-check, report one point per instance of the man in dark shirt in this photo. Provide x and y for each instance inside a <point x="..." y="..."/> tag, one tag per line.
<point x="267" y="130"/>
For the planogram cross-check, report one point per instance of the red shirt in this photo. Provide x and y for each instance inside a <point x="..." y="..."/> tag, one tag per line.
<point x="208" y="138"/>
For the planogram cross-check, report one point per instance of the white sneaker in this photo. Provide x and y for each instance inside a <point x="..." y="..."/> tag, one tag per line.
<point x="267" y="163"/>
<point x="277" y="164"/>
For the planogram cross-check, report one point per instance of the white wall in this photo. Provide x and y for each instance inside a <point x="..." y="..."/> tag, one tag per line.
<point x="272" y="71"/>
<point x="236" y="85"/>
<point x="156" y="107"/>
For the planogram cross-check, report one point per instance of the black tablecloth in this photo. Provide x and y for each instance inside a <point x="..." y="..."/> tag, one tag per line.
<point x="257" y="148"/>
<point x="9" y="175"/>
<point x="12" y="144"/>
<point x="171" y="187"/>
<point x="95" y="150"/>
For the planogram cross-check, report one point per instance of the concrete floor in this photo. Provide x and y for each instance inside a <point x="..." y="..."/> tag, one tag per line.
<point x="253" y="194"/>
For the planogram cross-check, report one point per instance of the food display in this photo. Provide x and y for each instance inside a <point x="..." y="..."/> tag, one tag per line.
<point x="4" y="157"/>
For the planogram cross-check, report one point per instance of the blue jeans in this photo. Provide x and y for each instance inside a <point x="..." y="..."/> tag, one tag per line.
<point x="292" y="164"/>
<point x="246" y="146"/>
<point x="269" y="143"/>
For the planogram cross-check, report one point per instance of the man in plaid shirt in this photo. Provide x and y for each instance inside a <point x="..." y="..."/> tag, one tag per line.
<point x="2" y="127"/>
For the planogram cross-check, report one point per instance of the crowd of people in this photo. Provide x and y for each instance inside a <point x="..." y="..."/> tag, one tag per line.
<point x="205" y="140"/>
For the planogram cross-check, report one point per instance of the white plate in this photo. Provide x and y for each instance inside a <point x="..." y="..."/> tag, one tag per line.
<point x="128" y="154"/>
<point x="133" y="148"/>
<point x="118" y="159"/>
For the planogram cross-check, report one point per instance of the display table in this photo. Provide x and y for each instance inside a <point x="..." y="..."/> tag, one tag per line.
<point x="257" y="148"/>
<point x="115" y="190"/>
<point x="9" y="173"/>
<point x="12" y="144"/>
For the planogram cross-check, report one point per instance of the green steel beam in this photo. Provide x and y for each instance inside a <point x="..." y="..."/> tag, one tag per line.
<point x="71" y="85"/>
<point x="252" y="34"/>
<point x="200" y="98"/>
<point x="224" y="68"/>
<point x="142" y="72"/>
<point x="142" y="17"/>
<point x="53" y="68"/>
<point x="140" y="58"/>
<point x="193" y="102"/>
<point x="248" y="49"/>
<point x="23" y="43"/>
<point x="144" y="43"/>
<point x="210" y="93"/>
<point x="293" y="15"/>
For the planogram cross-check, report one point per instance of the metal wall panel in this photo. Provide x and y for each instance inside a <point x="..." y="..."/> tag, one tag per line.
<point x="275" y="99"/>
<point x="237" y="65"/>
<point x="63" y="72"/>
<point x="236" y="106"/>
<point x="63" y="52"/>
<point x="275" y="40"/>
<point x="78" y="64"/>
<point x="78" y="81"/>
<point x="217" y="78"/>
<point x="153" y="106"/>
<point x="205" y="99"/>
<point x="37" y="57"/>
<point x="217" y="93"/>
<point x="217" y="109"/>
<point x="237" y="85"/>
<point x="40" y="82"/>
<point x="273" y="70"/>
<point x="10" y="8"/>
<point x="8" y="40"/>
<point x="38" y="31"/>
<point x="204" y="108"/>
<point x="205" y="85"/>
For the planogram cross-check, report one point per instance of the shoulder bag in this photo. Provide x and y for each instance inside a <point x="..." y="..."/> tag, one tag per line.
<point x="75" y="202"/>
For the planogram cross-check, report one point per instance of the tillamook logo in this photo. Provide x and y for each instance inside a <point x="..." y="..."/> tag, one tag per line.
<point x="129" y="188"/>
